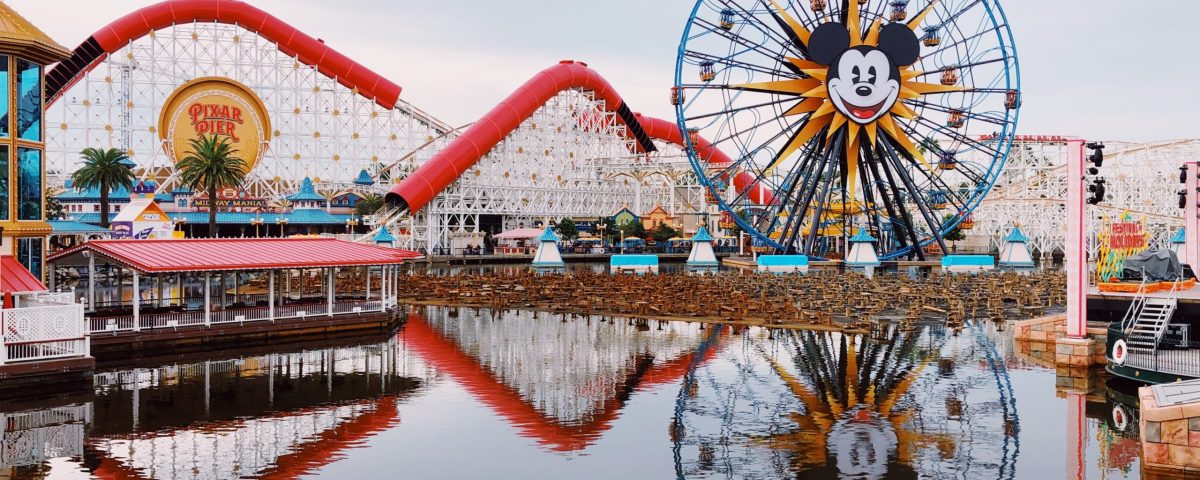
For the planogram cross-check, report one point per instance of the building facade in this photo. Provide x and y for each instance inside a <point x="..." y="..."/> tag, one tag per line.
<point x="24" y="51"/>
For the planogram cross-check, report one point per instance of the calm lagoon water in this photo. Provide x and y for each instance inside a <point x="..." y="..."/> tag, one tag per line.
<point x="478" y="394"/>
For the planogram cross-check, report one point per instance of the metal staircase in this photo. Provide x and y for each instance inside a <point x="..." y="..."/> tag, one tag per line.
<point x="1147" y="320"/>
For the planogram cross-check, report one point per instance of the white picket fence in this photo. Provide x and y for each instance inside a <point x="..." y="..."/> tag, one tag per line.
<point x="43" y="333"/>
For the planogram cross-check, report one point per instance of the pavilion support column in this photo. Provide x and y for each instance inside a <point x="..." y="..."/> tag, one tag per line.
<point x="367" y="269"/>
<point x="271" y="295"/>
<point x="385" y="285"/>
<point x="91" y="294"/>
<point x="179" y="289"/>
<point x="329" y="292"/>
<point x="158" y="297"/>
<point x="137" y="302"/>
<point x="207" y="299"/>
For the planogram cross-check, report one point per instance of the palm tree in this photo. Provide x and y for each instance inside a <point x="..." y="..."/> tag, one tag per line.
<point x="209" y="166"/>
<point x="368" y="204"/>
<point x="103" y="170"/>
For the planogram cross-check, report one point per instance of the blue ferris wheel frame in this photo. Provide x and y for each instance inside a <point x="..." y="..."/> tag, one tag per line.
<point x="1004" y="138"/>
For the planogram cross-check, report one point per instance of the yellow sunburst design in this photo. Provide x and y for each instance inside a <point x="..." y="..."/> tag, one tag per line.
<point x="816" y="103"/>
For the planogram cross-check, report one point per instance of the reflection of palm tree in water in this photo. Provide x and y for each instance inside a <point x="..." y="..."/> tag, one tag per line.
<point x="848" y="407"/>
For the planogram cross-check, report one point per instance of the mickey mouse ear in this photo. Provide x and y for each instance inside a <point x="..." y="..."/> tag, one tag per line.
<point x="827" y="42"/>
<point x="900" y="43"/>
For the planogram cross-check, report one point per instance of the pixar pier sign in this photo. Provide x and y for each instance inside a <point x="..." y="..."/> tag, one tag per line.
<point x="216" y="118"/>
<point x="215" y="106"/>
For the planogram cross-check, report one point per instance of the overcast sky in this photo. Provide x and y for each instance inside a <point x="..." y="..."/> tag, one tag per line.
<point x="1103" y="69"/>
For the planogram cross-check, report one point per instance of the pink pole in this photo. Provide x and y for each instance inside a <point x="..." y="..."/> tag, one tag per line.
<point x="1076" y="247"/>
<point x="1191" y="218"/>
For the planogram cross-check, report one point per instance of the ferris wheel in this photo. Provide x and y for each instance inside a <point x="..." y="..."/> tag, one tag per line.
<point x="809" y="120"/>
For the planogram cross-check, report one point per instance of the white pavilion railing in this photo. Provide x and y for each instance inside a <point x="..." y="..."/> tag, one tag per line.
<point x="153" y="321"/>
<point x="43" y="333"/>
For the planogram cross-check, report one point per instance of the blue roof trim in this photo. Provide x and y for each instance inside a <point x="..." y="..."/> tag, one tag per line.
<point x="548" y="236"/>
<point x="1017" y="236"/>
<point x="72" y="226"/>
<point x="384" y="236"/>
<point x="116" y="195"/>
<point x="299" y="217"/>
<point x="862" y="237"/>
<point x="702" y="235"/>
<point x="307" y="193"/>
<point x="1180" y="236"/>
<point x="364" y="178"/>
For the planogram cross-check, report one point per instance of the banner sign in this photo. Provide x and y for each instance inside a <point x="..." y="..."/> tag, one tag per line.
<point x="1119" y="239"/>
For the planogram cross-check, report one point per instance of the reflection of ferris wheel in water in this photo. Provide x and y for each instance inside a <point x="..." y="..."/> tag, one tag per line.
<point x="848" y="113"/>
<point x="892" y="403"/>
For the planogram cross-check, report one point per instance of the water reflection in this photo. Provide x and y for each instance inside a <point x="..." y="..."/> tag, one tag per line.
<point x="488" y="394"/>
<point x="561" y="381"/>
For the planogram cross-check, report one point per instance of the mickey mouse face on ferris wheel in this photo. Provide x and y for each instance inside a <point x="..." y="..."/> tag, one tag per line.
<point x="863" y="81"/>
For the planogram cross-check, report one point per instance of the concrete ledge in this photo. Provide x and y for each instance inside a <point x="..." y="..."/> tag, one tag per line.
<point x="1170" y="435"/>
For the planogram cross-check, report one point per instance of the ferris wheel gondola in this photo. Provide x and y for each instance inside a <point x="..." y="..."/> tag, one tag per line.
<point x="893" y="116"/>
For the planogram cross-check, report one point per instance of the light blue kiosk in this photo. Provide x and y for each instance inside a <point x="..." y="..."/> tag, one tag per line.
<point x="702" y="258"/>
<point x="862" y="257"/>
<point x="548" y="257"/>
<point x="1015" y="254"/>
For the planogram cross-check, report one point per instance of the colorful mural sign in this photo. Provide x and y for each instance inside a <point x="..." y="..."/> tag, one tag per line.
<point x="215" y="106"/>
<point x="1119" y="239"/>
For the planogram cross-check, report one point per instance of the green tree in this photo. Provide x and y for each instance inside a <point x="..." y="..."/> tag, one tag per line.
<point x="368" y="205"/>
<point x="209" y="166"/>
<point x="634" y="230"/>
<point x="54" y="209"/>
<point x="663" y="232"/>
<point x="103" y="170"/>
<point x="567" y="229"/>
<point x="611" y="230"/>
<point x="953" y="235"/>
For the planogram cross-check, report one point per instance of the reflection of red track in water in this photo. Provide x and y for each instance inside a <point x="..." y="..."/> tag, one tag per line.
<point x="308" y="457"/>
<point x="445" y="355"/>
<point x="290" y="40"/>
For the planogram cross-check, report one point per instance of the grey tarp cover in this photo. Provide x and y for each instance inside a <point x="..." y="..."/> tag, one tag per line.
<point x="1155" y="265"/>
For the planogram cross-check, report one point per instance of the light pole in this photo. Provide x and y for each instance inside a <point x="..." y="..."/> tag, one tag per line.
<point x="282" y="226"/>
<point x="257" y="221"/>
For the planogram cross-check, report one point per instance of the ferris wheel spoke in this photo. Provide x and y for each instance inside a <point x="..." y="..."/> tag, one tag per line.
<point x="788" y="234"/>
<point x="740" y="109"/>
<point x="783" y="41"/>
<point x="729" y="61"/>
<point x="750" y="45"/>
<point x="919" y="200"/>
<point x="881" y="185"/>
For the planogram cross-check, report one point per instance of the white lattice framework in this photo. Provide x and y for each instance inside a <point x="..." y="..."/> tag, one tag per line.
<point x="567" y="160"/>
<point x="322" y="129"/>
<point x="550" y="168"/>
<point x="1142" y="179"/>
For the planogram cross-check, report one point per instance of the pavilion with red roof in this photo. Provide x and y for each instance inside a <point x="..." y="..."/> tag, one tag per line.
<point x="145" y="286"/>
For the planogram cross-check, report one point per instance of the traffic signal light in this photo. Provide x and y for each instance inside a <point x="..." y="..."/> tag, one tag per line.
<point x="1097" y="156"/>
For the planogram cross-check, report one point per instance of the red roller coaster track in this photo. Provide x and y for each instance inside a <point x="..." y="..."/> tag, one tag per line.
<point x="291" y="41"/>
<point x="419" y="188"/>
